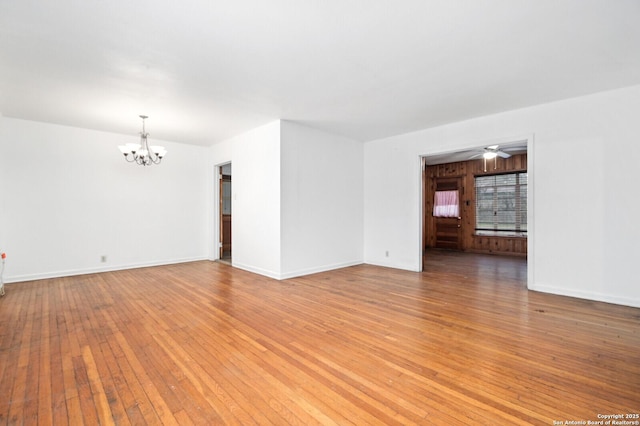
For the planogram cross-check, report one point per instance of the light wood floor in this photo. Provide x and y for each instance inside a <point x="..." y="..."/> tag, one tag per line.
<point x="204" y="343"/>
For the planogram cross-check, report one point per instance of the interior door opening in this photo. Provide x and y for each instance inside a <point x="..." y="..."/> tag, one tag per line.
<point x="446" y="212"/>
<point x="451" y="208"/>
<point x="225" y="213"/>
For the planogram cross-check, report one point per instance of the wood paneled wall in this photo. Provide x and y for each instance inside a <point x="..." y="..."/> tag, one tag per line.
<point x="467" y="170"/>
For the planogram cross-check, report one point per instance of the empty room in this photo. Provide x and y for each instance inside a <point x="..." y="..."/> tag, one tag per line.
<point x="338" y="212"/>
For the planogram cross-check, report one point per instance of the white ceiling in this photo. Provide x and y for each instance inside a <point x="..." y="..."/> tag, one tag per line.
<point x="206" y="70"/>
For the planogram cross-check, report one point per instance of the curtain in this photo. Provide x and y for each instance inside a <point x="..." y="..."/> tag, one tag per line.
<point x="446" y="204"/>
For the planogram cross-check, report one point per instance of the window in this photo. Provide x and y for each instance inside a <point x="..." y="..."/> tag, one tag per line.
<point x="501" y="204"/>
<point x="446" y="204"/>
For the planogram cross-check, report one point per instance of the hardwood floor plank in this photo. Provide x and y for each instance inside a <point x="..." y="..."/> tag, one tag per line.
<point x="204" y="343"/>
<point x="12" y="331"/>
<point x="104" y="376"/>
<point x="85" y="395"/>
<point x="44" y="403"/>
<point x="200" y="377"/>
<point x="95" y="384"/>
<point x="117" y="393"/>
<point x="158" y="404"/>
<point x="214" y="392"/>
<point x="20" y="393"/>
<point x="59" y="360"/>
<point x="134" y="399"/>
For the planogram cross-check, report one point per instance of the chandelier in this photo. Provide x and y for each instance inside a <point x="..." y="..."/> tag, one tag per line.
<point x="143" y="154"/>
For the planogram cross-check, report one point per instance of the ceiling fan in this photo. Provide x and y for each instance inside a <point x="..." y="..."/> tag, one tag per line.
<point x="505" y="151"/>
<point x="491" y="152"/>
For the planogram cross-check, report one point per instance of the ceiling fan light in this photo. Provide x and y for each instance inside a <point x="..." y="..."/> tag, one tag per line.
<point x="489" y="155"/>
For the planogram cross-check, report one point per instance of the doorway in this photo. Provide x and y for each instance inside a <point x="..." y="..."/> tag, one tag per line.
<point x="447" y="213"/>
<point x="457" y="171"/>
<point x="225" y="212"/>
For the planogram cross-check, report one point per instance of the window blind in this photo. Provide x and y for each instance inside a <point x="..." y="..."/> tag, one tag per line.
<point x="501" y="203"/>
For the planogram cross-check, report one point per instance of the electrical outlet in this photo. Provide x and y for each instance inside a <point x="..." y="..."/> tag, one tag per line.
<point x="103" y="258"/>
<point x="386" y="253"/>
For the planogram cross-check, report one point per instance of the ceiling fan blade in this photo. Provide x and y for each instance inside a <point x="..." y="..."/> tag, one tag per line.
<point x="503" y="154"/>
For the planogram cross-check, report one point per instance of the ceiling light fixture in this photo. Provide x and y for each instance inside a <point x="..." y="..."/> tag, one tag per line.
<point x="143" y="154"/>
<point x="490" y="155"/>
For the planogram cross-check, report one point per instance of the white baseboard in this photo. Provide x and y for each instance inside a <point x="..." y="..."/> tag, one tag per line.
<point x="84" y="271"/>
<point x="587" y="295"/>
<point x="318" y="269"/>
<point x="296" y="273"/>
<point x="394" y="266"/>
<point x="259" y="271"/>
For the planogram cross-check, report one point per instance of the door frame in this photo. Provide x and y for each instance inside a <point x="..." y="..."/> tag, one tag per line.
<point x="222" y="178"/>
<point x="530" y="142"/>
<point x="216" y="208"/>
<point x="451" y="222"/>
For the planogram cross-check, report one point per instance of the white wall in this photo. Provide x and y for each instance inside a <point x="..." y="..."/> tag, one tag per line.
<point x="296" y="200"/>
<point x="67" y="197"/>
<point x="255" y="205"/>
<point x="585" y="215"/>
<point x="321" y="206"/>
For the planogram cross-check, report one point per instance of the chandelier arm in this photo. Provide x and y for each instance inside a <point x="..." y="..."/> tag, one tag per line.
<point x="129" y="159"/>
<point x="155" y="158"/>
